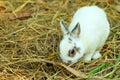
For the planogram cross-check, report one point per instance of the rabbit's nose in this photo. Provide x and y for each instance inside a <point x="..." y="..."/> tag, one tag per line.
<point x="69" y="62"/>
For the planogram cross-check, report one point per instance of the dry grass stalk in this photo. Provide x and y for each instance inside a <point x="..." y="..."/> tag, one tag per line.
<point x="29" y="42"/>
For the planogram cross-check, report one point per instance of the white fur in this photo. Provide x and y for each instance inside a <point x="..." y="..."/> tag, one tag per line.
<point x="94" y="30"/>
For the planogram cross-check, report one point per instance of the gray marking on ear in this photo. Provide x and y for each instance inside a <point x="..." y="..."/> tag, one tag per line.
<point x="76" y="30"/>
<point x="63" y="27"/>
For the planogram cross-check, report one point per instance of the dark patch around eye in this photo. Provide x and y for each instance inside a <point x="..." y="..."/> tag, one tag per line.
<point x="71" y="53"/>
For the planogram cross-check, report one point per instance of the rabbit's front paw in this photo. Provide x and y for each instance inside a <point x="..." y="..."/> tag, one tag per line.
<point x="96" y="55"/>
<point x="87" y="58"/>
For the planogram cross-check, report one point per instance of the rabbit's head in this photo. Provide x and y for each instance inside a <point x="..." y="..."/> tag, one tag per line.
<point x="70" y="45"/>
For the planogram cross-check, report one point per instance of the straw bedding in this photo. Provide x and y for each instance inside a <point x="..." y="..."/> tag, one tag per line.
<point x="29" y="41"/>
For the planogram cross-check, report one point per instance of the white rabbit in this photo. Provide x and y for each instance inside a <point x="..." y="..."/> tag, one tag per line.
<point x="85" y="36"/>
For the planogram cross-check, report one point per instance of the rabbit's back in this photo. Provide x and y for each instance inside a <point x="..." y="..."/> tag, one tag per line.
<point x="94" y="26"/>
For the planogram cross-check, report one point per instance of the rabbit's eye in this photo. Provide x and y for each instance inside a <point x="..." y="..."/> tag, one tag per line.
<point x="71" y="53"/>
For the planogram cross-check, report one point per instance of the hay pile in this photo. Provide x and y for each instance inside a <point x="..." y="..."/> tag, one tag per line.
<point x="30" y="36"/>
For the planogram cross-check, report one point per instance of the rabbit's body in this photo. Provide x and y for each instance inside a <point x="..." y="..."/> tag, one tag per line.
<point x="94" y="30"/>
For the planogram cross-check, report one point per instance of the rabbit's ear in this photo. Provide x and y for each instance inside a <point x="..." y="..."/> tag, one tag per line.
<point x="63" y="27"/>
<point x="76" y="30"/>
